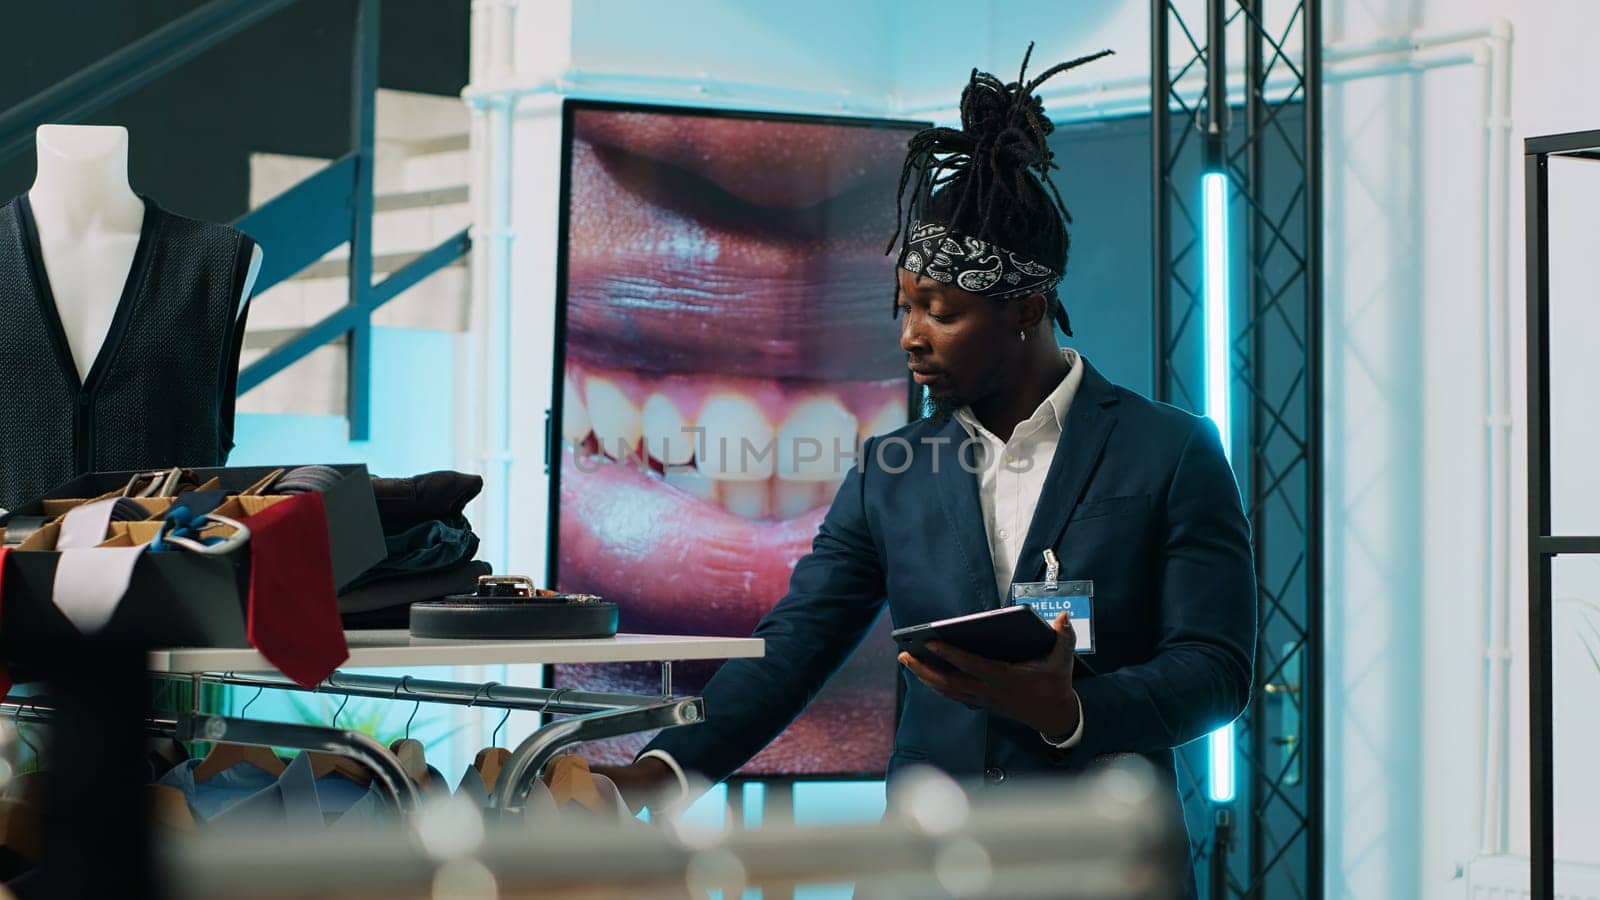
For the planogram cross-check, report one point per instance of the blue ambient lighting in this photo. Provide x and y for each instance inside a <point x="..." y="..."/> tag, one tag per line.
<point x="1220" y="783"/>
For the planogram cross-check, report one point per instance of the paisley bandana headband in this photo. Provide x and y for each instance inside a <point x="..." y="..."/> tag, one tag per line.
<point x="976" y="266"/>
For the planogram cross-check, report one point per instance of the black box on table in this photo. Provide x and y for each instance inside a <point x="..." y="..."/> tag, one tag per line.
<point x="179" y="599"/>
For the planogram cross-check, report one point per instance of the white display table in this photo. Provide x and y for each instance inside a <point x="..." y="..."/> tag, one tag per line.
<point x="398" y="649"/>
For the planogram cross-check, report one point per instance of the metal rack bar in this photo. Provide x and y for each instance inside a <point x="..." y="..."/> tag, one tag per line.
<point x="560" y="701"/>
<point x="34" y="711"/>
<point x="1576" y="143"/>
<point x="529" y="758"/>
<point x="1560" y="545"/>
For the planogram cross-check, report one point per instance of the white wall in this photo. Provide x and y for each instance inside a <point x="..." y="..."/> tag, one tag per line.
<point x="831" y="45"/>
<point x="1406" y="460"/>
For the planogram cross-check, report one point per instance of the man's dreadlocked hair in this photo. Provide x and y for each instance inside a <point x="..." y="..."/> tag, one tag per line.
<point x="990" y="178"/>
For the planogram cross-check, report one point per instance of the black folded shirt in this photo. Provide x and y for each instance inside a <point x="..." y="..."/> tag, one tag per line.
<point x="406" y="502"/>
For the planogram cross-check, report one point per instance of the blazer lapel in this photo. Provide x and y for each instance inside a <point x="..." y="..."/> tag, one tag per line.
<point x="958" y="494"/>
<point x="1089" y="422"/>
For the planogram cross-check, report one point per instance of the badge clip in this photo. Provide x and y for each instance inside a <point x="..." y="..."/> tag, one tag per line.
<point x="1052" y="570"/>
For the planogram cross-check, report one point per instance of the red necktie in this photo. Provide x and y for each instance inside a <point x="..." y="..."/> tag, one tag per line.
<point x="294" y="615"/>
<point x="5" y="674"/>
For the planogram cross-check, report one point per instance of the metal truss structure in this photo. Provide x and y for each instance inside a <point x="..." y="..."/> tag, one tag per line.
<point x="1266" y="842"/>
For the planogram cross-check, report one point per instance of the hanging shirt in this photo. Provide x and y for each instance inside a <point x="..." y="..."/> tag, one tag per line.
<point x="246" y="792"/>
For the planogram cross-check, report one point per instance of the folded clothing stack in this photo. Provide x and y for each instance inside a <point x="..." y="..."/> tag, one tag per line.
<point x="431" y="547"/>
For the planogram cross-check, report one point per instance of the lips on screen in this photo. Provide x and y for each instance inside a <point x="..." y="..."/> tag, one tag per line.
<point x="729" y="342"/>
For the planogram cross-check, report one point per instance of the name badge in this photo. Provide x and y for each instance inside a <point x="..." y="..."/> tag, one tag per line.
<point x="1052" y="597"/>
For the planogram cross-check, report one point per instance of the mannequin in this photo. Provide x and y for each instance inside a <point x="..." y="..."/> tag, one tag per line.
<point x="89" y="222"/>
<point x="121" y="323"/>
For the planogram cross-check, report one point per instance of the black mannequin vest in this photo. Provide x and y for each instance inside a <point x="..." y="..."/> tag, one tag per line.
<point x="161" y="390"/>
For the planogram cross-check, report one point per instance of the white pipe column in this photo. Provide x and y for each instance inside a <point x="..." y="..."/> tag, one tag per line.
<point x="499" y="104"/>
<point x="482" y="394"/>
<point x="469" y="348"/>
<point x="1498" y="164"/>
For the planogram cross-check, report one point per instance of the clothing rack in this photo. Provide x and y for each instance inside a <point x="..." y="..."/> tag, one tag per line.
<point x="589" y="715"/>
<point x="594" y="716"/>
<point x="195" y="726"/>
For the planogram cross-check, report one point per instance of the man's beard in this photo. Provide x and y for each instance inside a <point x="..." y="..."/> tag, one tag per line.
<point x="938" y="410"/>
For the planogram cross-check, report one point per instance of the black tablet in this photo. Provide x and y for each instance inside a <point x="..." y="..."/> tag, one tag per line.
<point x="1008" y="634"/>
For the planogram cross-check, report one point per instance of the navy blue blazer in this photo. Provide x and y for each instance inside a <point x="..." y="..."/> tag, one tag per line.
<point x="1139" y="498"/>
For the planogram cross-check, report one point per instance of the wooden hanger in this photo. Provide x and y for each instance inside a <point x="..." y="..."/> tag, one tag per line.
<point x="324" y="764"/>
<point x="410" y="753"/>
<point x="171" y="753"/>
<point x="571" y="782"/>
<point x="408" y="750"/>
<point x="489" y="762"/>
<point x="225" y="756"/>
<point x="169" y="807"/>
<point x="20" y="831"/>
<point x="31" y="788"/>
<point x="491" y="759"/>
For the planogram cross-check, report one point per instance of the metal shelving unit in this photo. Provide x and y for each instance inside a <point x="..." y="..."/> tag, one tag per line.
<point x="1543" y="545"/>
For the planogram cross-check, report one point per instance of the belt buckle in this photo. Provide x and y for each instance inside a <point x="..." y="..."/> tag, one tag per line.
<point x="159" y="483"/>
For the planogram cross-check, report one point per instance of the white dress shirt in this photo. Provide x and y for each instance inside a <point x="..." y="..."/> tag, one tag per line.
<point x="1012" y="478"/>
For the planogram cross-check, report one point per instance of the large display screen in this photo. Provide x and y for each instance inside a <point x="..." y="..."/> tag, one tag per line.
<point x="725" y="341"/>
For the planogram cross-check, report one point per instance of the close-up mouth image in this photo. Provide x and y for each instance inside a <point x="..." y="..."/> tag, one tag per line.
<point x="729" y="346"/>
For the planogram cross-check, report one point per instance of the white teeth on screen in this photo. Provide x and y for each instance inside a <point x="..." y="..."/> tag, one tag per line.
<point x="791" y="498"/>
<point x="666" y="434"/>
<point x="814" y="440"/>
<point x="758" y="450"/>
<point x="613" y="417"/>
<point x="890" y="416"/>
<point x="749" y="499"/>
<point x="738" y="440"/>
<point x="693" y="483"/>
<point x="574" y="415"/>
